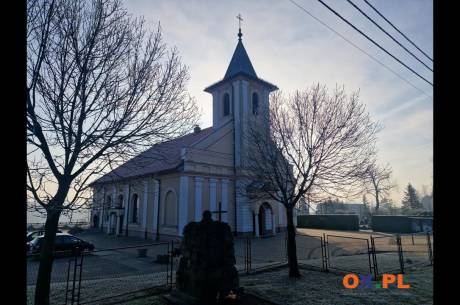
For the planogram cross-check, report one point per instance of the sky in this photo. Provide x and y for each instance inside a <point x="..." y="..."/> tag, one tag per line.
<point x="292" y="50"/>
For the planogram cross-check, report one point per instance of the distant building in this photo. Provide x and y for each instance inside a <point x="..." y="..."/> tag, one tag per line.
<point x="330" y="207"/>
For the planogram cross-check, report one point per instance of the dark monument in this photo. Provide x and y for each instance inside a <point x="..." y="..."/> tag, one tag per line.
<point x="206" y="272"/>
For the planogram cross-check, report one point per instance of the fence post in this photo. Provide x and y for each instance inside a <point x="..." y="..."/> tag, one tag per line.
<point x="374" y="258"/>
<point x="400" y="253"/>
<point x="81" y="269"/>
<point x="326" y="252"/>
<point x="285" y="246"/>
<point x="172" y="264"/>
<point x="168" y="252"/>
<point x="250" y="254"/>
<point x="246" y="255"/>
<point x="369" y="253"/>
<point x="430" y="250"/>
<point x="68" y="278"/>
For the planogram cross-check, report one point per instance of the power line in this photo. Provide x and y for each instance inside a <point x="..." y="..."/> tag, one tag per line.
<point x="357" y="47"/>
<point x="383" y="30"/>
<point x="380" y="14"/>
<point x="371" y="40"/>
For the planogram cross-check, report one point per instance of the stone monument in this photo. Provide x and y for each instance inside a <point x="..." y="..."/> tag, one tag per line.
<point x="206" y="272"/>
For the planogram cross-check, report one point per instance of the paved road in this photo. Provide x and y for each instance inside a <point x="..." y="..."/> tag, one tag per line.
<point x="107" y="263"/>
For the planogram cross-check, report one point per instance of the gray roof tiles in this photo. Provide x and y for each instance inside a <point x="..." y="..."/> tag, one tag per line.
<point x="161" y="157"/>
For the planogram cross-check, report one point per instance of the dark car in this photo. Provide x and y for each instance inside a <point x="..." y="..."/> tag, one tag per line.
<point x="64" y="243"/>
<point x="33" y="234"/>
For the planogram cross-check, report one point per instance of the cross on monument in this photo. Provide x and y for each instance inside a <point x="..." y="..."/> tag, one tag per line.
<point x="219" y="212"/>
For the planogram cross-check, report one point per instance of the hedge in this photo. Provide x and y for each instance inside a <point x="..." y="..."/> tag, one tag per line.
<point x="348" y="222"/>
<point x="393" y="223"/>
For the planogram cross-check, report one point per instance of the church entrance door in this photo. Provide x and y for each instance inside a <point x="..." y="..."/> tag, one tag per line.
<point x="265" y="219"/>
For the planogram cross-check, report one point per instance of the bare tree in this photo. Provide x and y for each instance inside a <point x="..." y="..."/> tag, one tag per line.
<point x="378" y="182"/>
<point x="319" y="144"/>
<point x="100" y="87"/>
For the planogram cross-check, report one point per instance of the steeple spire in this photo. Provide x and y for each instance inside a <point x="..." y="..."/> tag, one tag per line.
<point x="239" y="25"/>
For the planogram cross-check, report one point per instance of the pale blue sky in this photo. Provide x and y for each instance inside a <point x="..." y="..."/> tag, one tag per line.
<point x="292" y="50"/>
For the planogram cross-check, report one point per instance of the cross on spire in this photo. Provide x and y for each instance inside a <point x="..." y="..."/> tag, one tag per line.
<point x="239" y="25"/>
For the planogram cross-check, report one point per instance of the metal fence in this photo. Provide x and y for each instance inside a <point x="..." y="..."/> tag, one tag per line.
<point x="349" y="254"/>
<point x="101" y="276"/>
<point x="310" y="251"/>
<point x="386" y="252"/>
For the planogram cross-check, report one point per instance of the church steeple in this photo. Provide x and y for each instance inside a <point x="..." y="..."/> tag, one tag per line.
<point x="240" y="66"/>
<point x="241" y="94"/>
<point x="240" y="63"/>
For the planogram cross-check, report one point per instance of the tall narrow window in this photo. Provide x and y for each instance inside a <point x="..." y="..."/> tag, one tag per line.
<point x="135" y="207"/>
<point x="255" y="103"/>
<point x="120" y="201"/>
<point x="226" y="104"/>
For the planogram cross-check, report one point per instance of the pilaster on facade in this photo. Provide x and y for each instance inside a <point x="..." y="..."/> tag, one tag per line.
<point x="224" y="200"/>
<point x="145" y="203"/>
<point x="243" y="209"/>
<point x="156" y="204"/>
<point x="213" y="197"/>
<point x="198" y="198"/>
<point x="237" y="121"/>
<point x="126" y="204"/>
<point x="183" y="204"/>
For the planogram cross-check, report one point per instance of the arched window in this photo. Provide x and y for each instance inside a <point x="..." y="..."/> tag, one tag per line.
<point x="135" y="208"/>
<point x="170" y="216"/>
<point x="255" y="103"/>
<point x="120" y="201"/>
<point x="226" y="104"/>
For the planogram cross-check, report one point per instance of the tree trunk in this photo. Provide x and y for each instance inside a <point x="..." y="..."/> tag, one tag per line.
<point x="42" y="290"/>
<point x="291" y="245"/>
<point x="377" y="202"/>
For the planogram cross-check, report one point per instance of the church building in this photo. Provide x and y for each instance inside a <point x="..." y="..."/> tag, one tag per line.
<point x="159" y="191"/>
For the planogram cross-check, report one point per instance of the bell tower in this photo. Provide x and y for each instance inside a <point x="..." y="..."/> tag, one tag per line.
<point x="241" y="97"/>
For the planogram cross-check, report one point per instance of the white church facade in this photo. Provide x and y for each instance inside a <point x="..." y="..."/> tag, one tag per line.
<point x="158" y="192"/>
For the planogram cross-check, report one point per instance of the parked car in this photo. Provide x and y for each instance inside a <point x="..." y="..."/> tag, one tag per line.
<point x="33" y="234"/>
<point x="64" y="242"/>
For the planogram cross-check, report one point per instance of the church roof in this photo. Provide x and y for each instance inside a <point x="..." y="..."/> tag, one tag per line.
<point x="162" y="157"/>
<point x="240" y="64"/>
